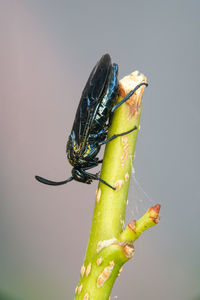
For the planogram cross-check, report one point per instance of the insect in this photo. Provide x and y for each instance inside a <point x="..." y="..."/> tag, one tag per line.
<point x="92" y="120"/>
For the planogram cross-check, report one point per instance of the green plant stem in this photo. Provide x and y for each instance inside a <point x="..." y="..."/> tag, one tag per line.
<point x="110" y="245"/>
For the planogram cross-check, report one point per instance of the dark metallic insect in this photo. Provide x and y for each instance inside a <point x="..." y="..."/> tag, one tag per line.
<point x="92" y="120"/>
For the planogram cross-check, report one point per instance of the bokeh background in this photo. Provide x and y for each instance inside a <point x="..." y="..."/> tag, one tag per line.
<point x="47" y="50"/>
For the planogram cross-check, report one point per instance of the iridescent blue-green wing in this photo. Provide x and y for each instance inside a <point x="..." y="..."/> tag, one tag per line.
<point x="91" y="97"/>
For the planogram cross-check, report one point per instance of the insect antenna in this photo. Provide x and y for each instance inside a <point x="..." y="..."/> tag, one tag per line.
<point x="49" y="182"/>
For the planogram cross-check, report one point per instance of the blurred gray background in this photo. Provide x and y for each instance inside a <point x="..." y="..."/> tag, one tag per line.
<point x="47" y="51"/>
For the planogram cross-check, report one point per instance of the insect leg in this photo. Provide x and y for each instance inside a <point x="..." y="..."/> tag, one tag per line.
<point x="116" y="135"/>
<point x="90" y="167"/>
<point x="93" y="166"/>
<point x="96" y="177"/>
<point x="49" y="182"/>
<point x="129" y="95"/>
